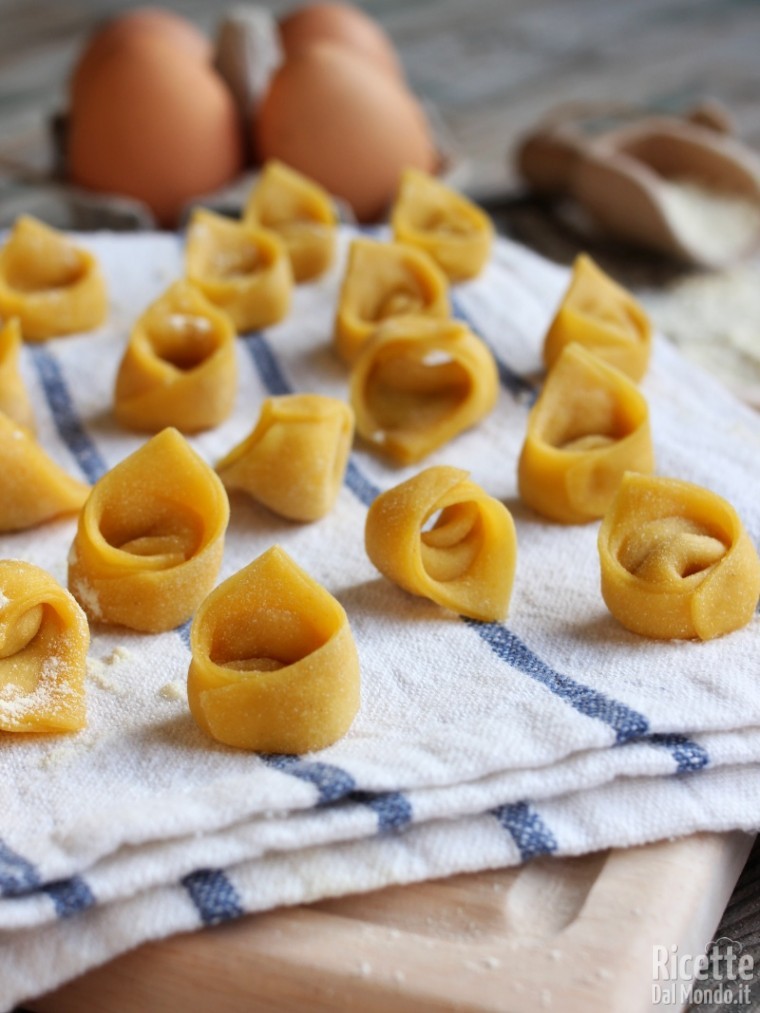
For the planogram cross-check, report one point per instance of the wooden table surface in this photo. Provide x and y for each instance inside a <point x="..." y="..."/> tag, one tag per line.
<point x="492" y="67"/>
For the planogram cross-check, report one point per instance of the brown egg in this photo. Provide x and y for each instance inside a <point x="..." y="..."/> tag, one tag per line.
<point x="154" y="122"/>
<point x="144" y="22"/>
<point x="334" y="117"/>
<point x="344" y="24"/>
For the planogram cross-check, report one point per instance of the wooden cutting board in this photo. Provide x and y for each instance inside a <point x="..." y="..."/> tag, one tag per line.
<point x="574" y="935"/>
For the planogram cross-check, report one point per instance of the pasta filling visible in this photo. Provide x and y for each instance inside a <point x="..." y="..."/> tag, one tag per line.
<point x="676" y="561"/>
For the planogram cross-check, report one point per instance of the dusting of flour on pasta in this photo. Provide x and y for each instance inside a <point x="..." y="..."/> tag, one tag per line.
<point x="88" y="596"/>
<point x="49" y="694"/>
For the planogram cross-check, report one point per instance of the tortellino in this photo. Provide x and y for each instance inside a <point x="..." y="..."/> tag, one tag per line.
<point x="44" y="639"/>
<point x="274" y="665"/>
<point x="35" y="488"/>
<point x="179" y="368"/>
<point x="600" y="315"/>
<point x="456" y="233"/>
<point x="300" y="212"/>
<point x="385" y="280"/>
<point x="676" y="561"/>
<point x="295" y="458"/>
<point x="418" y="383"/>
<point x="588" y="427"/>
<point x="465" y="561"/>
<point x="243" y="270"/>
<point x="52" y="286"/>
<point x="150" y="538"/>
<point x="14" y="400"/>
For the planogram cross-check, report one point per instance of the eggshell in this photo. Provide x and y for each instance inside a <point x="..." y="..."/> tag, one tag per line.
<point x="343" y="24"/>
<point x="155" y="123"/>
<point x="143" y="22"/>
<point x="334" y="117"/>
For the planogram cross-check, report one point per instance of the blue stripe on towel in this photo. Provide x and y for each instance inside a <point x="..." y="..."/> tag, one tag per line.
<point x="183" y="632"/>
<point x="65" y="416"/>
<point x="214" y="896"/>
<point x="332" y="783"/>
<point x="513" y="382"/>
<point x="19" y="878"/>
<point x="17" y="875"/>
<point x="70" y="896"/>
<point x="267" y="365"/>
<point x="627" y="723"/>
<point x="689" y="755"/>
<point x="360" y="485"/>
<point x="394" y="810"/>
<point x="530" y="833"/>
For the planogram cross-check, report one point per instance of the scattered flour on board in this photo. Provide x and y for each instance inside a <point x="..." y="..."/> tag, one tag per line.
<point x="62" y="753"/>
<point x="4" y="600"/>
<point x="117" y="654"/>
<point x="98" y="670"/>
<point x="173" y="690"/>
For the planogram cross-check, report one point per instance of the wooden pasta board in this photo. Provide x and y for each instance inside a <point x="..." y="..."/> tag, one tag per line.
<point x="571" y="934"/>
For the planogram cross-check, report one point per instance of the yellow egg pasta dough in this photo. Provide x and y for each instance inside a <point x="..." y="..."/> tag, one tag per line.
<point x="179" y="368"/>
<point x="301" y="213"/>
<point x="35" y="488"/>
<point x="603" y="317"/>
<point x="589" y="426"/>
<point x="452" y="230"/>
<point x="14" y="400"/>
<point x="274" y="665"/>
<point x="243" y="270"/>
<point x="53" y="287"/>
<point x="676" y="562"/>
<point x="149" y="541"/>
<point x="295" y="458"/>
<point x="385" y="280"/>
<point x="418" y="383"/>
<point x="465" y="561"/>
<point x="44" y="639"/>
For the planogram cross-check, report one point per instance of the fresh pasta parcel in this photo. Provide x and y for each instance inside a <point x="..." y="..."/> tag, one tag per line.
<point x="274" y="665"/>
<point x="150" y="537"/>
<point x="589" y="426"/>
<point x="603" y="317"/>
<point x="35" y="487"/>
<point x="295" y="458"/>
<point x="418" y="383"/>
<point x="179" y="368"/>
<point x="54" y="287"/>
<point x="465" y="561"/>
<point x="384" y="281"/>
<point x="242" y="269"/>
<point x="301" y="213"/>
<point x="676" y="561"/>
<point x="44" y="639"/>
<point x="451" y="229"/>
<point x="14" y="399"/>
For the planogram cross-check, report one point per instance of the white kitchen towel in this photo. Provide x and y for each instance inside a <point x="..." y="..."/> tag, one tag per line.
<point x="457" y="718"/>
<point x="624" y="814"/>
